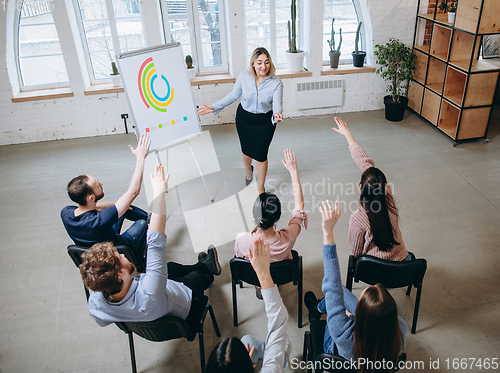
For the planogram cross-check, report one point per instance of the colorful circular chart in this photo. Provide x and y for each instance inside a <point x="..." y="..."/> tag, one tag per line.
<point x="146" y="79"/>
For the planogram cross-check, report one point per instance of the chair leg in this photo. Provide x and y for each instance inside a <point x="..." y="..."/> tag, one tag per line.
<point x="409" y="290"/>
<point x="132" y="351"/>
<point x="300" y="294"/>
<point x="415" y="311"/>
<point x="241" y="284"/>
<point x="350" y="272"/>
<point x="235" y="303"/>
<point x="214" y="321"/>
<point x="202" y="351"/>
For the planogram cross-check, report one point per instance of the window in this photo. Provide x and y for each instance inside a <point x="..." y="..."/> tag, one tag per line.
<point x="39" y="55"/>
<point x="266" y="25"/>
<point x="199" y="26"/>
<point x="108" y="28"/>
<point x="346" y="17"/>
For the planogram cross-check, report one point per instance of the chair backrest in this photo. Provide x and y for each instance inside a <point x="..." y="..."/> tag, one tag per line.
<point x="170" y="327"/>
<point x="75" y="252"/>
<point x="372" y="270"/>
<point x="282" y="272"/>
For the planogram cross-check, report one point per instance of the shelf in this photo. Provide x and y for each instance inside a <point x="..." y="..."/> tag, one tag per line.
<point x="448" y="118"/>
<point x="443" y="18"/>
<point x="415" y="94"/>
<point x="474" y="123"/>
<point x="468" y="15"/>
<point x="423" y="35"/>
<point x="481" y="89"/>
<point x="435" y="75"/>
<point x="430" y="107"/>
<point x="420" y="67"/>
<point x="477" y="65"/>
<point x="440" y="44"/>
<point x="462" y="46"/>
<point x="455" y="86"/>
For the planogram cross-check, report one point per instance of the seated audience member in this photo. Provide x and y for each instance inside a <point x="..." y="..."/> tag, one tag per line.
<point x="165" y="289"/>
<point x="93" y="221"/>
<point x="374" y="227"/>
<point x="367" y="328"/>
<point x="267" y="211"/>
<point x="234" y="355"/>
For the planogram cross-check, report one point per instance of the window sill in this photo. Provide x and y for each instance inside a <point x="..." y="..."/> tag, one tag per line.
<point x="43" y="94"/>
<point x="212" y="79"/>
<point x="285" y="74"/>
<point x="99" y="89"/>
<point x="347" y="69"/>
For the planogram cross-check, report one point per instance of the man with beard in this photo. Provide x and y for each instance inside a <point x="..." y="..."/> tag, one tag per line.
<point x="165" y="289"/>
<point x="94" y="222"/>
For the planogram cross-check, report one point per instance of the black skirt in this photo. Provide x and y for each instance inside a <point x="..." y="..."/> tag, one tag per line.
<point x="255" y="132"/>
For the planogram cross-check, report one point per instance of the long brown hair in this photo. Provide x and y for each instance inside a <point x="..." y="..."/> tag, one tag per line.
<point x="377" y="335"/>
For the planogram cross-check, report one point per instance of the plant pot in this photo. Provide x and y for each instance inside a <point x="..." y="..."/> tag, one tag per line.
<point x="358" y="59"/>
<point x="191" y="73"/>
<point x="115" y="80"/>
<point x="295" y="61"/>
<point x="394" y="111"/>
<point x="451" y="17"/>
<point x="334" y="59"/>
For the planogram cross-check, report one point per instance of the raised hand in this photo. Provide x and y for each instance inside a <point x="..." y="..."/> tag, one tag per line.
<point x="159" y="181"/>
<point x="343" y="130"/>
<point x="290" y="161"/>
<point x="260" y="259"/>
<point x="142" y="149"/>
<point x="205" y="109"/>
<point x="329" y="216"/>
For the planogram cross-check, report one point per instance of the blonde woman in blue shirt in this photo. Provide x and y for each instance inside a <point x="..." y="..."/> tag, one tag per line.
<point x="259" y="111"/>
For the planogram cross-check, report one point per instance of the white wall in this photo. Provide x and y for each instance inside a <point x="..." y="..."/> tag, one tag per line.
<point x="83" y="116"/>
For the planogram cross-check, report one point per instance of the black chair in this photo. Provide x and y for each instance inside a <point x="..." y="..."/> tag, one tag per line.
<point x="171" y="327"/>
<point x="130" y="254"/>
<point x="372" y="270"/>
<point x="314" y="355"/>
<point x="283" y="272"/>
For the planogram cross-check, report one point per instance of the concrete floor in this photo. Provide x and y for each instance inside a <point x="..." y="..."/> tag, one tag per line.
<point x="449" y="204"/>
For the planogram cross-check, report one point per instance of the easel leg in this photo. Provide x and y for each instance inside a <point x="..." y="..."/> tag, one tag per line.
<point x="199" y="169"/>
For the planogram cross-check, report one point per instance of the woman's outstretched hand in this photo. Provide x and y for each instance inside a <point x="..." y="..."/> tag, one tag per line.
<point x="329" y="216"/>
<point x="343" y="130"/>
<point x="206" y="109"/>
<point x="260" y="259"/>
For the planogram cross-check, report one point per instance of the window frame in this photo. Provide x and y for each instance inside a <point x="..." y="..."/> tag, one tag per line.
<point x="272" y="26"/>
<point x="193" y="17"/>
<point x="27" y="88"/>
<point x="114" y="36"/>
<point x="346" y="61"/>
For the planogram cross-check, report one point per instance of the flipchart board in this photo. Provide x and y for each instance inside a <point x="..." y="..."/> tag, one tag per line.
<point x="159" y="94"/>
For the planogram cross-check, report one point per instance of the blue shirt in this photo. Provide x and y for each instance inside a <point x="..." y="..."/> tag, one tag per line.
<point x="90" y="227"/>
<point x="150" y="295"/>
<point x="257" y="100"/>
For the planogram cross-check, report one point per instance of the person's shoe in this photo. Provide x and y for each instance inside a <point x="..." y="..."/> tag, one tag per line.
<point x="202" y="256"/>
<point x="258" y="292"/>
<point x="311" y="303"/>
<point x="211" y="260"/>
<point x="251" y="178"/>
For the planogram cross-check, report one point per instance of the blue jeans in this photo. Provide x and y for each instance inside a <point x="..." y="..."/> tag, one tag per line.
<point x="135" y="236"/>
<point x="350" y="302"/>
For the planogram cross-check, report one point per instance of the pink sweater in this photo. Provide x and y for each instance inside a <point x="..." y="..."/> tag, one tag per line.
<point x="360" y="235"/>
<point x="280" y="245"/>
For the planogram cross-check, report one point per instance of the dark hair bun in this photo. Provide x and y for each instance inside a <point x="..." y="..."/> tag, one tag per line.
<point x="267" y="210"/>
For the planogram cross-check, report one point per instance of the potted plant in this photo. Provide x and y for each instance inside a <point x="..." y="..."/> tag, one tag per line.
<point x="115" y="75"/>
<point x="397" y="65"/>
<point x="294" y="56"/>
<point x="334" y="53"/>
<point x="190" y="68"/>
<point x="451" y="9"/>
<point x="358" y="57"/>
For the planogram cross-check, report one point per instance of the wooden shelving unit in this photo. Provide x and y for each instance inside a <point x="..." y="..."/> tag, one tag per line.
<point x="453" y="87"/>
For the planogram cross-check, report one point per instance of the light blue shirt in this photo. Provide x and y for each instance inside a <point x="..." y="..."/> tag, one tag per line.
<point x="257" y="100"/>
<point x="150" y="295"/>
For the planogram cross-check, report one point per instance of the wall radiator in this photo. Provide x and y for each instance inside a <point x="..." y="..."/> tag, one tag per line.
<point x="318" y="94"/>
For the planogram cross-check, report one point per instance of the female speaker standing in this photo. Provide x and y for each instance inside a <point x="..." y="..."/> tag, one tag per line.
<point x="259" y="111"/>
